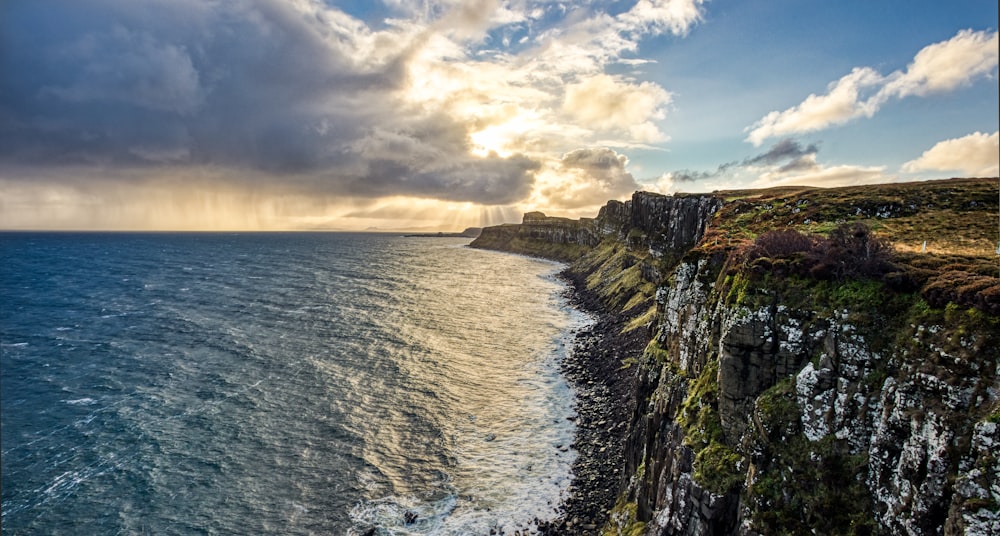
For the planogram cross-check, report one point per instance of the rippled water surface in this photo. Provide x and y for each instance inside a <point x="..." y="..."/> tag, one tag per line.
<point x="311" y="383"/>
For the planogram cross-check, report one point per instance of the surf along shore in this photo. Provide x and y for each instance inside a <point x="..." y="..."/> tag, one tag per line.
<point x="604" y="402"/>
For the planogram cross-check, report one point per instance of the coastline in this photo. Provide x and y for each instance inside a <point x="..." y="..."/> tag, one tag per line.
<point x="604" y="403"/>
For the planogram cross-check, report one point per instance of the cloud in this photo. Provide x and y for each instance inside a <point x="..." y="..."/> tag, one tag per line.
<point x="947" y="65"/>
<point x="687" y="175"/>
<point x="609" y="103"/>
<point x="296" y="92"/>
<point x="590" y="38"/>
<point x="585" y="178"/>
<point x="937" y="68"/>
<point x="663" y="16"/>
<point x="787" y="162"/>
<point x="785" y="156"/>
<point x="305" y="94"/>
<point x="840" y="104"/>
<point x="787" y="149"/>
<point x="824" y="176"/>
<point x="976" y="155"/>
<point x="129" y="67"/>
<point x="481" y="101"/>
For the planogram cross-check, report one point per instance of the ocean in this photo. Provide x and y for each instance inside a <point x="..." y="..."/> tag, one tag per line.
<point x="280" y="383"/>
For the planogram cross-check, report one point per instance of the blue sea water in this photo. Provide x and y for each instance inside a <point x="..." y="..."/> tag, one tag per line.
<point x="287" y="383"/>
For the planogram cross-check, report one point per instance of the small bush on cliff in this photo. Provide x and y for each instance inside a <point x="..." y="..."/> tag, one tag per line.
<point x="779" y="243"/>
<point x="623" y="520"/>
<point x="717" y="467"/>
<point x="699" y="415"/>
<point x="850" y="251"/>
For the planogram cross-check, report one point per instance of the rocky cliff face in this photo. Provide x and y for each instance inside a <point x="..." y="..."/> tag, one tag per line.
<point x="841" y="408"/>
<point x="774" y="398"/>
<point x="556" y="238"/>
<point x="660" y="223"/>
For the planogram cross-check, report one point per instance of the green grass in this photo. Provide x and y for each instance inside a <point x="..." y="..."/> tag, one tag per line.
<point x="829" y="489"/>
<point x="719" y="469"/>
<point x="615" y="273"/>
<point x="623" y="520"/>
<point x="643" y="319"/>
<point x="656" y="352"/>
<point x="699" y="415"/>
<point x="776" y="412"/>
<point x="995" y="416"/>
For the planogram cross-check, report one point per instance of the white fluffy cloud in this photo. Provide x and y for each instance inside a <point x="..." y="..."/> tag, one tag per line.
<point x="823" y="176"/>
<point x="604" y="102"/>
<point x="937" y="68"/>
<point x="947" y="65"/>
<point x="661" y="16"/>
<point x="842" y="102"/>
<point x="977" y="155"/>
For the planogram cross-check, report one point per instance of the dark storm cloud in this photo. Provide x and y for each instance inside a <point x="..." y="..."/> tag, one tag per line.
<point x="592" y="176"/>
<point x="305" y="95"/>
<point x="787" y="149"/>
<point x="687" y="175"/>
<point x="788" y="155"/>
<point x="599" y="159"/>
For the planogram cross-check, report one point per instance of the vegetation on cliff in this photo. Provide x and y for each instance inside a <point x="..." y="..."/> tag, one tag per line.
<point x="943" y="234"/>
<point x="821" y="359"/>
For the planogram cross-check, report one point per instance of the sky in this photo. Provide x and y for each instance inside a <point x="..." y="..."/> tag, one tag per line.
<point x="445" y="114"/>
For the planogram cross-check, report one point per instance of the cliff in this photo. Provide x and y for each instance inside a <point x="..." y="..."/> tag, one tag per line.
<point x="660" y="223"/>
<point x="818" y="360"/>
<point x="555" y="238"/>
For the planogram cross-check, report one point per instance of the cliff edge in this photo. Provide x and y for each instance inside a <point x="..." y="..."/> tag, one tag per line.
<point x="816" y="360"/>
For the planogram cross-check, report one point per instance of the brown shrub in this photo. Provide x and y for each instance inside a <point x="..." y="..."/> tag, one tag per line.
<point x="779" y="243"/>
<point x="849" y="251"/>
<point x="965" y="289"/>
<point x="852" y="250"/>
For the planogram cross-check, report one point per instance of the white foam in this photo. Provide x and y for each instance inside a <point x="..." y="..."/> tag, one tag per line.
<point x="390" y="514"/>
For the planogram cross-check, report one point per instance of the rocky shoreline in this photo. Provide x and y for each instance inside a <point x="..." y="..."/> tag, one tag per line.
<point x="604" y="402"/>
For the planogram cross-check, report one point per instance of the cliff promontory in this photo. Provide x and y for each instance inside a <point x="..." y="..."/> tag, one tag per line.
<point x="816" y="360"/>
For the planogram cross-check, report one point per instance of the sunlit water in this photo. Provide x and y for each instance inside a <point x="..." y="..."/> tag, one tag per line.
<point x="279" y="384"/>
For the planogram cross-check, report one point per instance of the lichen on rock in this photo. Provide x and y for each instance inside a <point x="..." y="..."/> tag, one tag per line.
<point x="787" y="391"/>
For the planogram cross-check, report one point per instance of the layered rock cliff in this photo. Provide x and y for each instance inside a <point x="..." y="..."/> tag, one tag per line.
<point x="662" y="224"/>
<point x="803" y="374"/>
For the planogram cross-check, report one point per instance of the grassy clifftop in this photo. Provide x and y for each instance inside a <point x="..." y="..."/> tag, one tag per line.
<point x="943" y="235"/>
<point x="954" y="217"/>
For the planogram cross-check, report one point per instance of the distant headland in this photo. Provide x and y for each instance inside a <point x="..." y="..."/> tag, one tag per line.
<point x="469" y="232"/>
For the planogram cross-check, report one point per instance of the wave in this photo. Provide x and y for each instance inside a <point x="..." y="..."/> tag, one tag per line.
<point x="304" y="384"/>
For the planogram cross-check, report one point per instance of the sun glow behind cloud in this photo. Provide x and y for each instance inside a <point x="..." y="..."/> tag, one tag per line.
<point x="301" y="113"/>
<point x="268" y="114"/>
